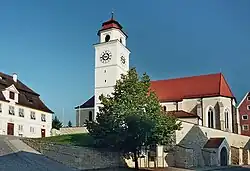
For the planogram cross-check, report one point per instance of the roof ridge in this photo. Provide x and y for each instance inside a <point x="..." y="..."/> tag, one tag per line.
<point x="185" y="77"/>
<point x="22" y="87"/>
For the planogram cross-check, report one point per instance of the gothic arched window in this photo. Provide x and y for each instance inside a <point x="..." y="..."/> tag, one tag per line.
<point x="210" y="117"/>
<point x="226" y="119"/>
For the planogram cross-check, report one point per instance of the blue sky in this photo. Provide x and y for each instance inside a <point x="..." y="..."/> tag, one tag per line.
<point x="50" y="43"/>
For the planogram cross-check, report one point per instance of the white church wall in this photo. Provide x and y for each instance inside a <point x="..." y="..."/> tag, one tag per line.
<point x="105" y="76"/>
<point x="84" y="115"/>
<point x="189" y="105"/>
<point x="212" y="101"/>
<point x="190" y="120"/>
<point x="170" y="106"/>
<point x="100" y="48"/>
<point x="115" y="34"/>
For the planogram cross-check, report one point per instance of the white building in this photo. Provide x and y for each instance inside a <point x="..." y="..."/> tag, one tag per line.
<point x="22" y="113"/>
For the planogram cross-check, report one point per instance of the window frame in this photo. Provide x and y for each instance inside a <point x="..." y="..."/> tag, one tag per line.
<point x="31" y="114"/>
<point x="43" y="117"/>
<point x="11" y="108"/>
<point x="248" y="107"/>
<point x="21" y="114"/>
<point x="20" y="126"/>
<point x="242" y="117"/>
<point x="10" y="95"/>
<point x="226" y="113"/>
<point x="246" y="126"/>
<point x="248" y="98"/>
<point x="211" y="122"/>
<point x="32" y="129"/>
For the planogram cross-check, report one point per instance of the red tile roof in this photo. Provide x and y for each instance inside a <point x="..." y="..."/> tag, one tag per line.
<point x="182" y="114"/>
<point x="191" y="87"/>
<point x="214" y="143"/>
<point x="112" y="23"/>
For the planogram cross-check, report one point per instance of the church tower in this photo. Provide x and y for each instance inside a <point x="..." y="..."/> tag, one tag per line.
<point x="111" y="58"/>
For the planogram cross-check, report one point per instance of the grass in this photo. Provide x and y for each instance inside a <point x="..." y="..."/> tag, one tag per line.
<point x="83" y="139"/>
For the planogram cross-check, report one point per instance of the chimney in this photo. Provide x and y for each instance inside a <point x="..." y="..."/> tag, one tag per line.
<point x="14" y="77"/>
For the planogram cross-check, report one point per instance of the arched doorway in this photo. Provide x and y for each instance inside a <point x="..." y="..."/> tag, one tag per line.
<point x="223" y="157"/>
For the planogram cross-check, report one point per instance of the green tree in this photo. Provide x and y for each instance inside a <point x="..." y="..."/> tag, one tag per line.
<point x="69" y="124"/>
<point x="132" y="117"/>
<point x="56" y="123"/>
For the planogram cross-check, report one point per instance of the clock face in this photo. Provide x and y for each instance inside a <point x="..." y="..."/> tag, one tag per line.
<point x="105" y="56"/>
<point x="123" y="60"/>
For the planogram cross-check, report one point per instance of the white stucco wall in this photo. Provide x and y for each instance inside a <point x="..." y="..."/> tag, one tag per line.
<point x="6" y="118"/>
<point x="84" y="115"/>
<point x="170" y="106"/>
<point x="106" y="74"/>
<point x="190" y="120"/>
<point x="115" y="34"/>
<point x="189" y="105"/>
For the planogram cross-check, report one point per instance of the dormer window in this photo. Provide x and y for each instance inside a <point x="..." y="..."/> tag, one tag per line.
<point x="29" y="98"/>
<point x="12" y="95"/>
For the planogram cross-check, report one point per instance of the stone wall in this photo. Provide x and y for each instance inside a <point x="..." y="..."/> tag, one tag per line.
<point x="235" y="155"/>
<point x="185" y="157"/>
<point x="194" y="137"/>
<point x="78" y="157"/>
<point x="68" y="130"/>
<point x="245" y="156"/>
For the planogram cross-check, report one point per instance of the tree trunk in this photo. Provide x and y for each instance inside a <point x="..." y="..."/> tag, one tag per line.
<point x="136" y="160"/>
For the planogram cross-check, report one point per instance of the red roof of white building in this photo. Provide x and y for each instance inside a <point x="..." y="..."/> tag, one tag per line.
<point x="112" y="23"/>
<point x="191" y="87"/>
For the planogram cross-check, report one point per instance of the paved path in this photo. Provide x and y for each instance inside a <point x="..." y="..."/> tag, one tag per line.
<point x="15" y="156"/>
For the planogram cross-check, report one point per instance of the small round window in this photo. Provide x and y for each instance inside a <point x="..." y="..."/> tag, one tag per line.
<point x="107" y="38"/>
